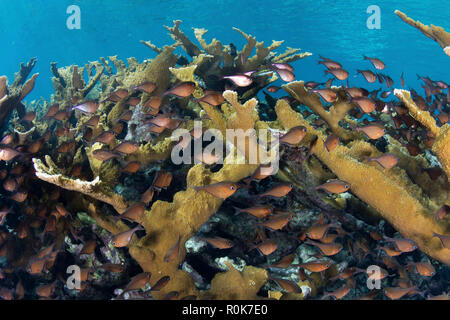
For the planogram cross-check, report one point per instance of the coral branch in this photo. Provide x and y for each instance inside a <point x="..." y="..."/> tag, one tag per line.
<point x="436" y="33"/>
<point x="95" y="189"/>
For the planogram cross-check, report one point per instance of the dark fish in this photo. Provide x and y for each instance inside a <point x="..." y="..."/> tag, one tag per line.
<point x="331" y="142"/>
<point x="146" y="87"/>
<point x="219" y="243"/>
<point x="368" y="75"/>
<point x="377" y="63"/>
<point x="126" y="148"/>
<point x="294" y="136"/>
<point x="327" y="94"/>
<point x="278" y="191"/>
<point x="134" y="213"/>
<point x="104" y="155"/>
<point x="340" y="74"/>
<point x="161" y="283"/>
<point x="285" y="75"/>
<point x="124" y="238"/>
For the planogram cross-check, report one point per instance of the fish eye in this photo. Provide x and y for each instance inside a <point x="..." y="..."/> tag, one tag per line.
<point x="113" y="243"/>
<point x="232" y="188"/>
<point x="347" y="186"/>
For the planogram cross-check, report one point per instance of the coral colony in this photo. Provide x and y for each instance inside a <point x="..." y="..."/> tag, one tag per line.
<point x="184" y="177"/>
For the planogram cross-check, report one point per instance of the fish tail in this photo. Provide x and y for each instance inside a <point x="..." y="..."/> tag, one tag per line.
<point x="237" y="210"/>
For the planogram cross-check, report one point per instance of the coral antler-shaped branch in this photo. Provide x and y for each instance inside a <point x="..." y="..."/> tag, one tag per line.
<point x="441" y="145"/>
<point x="436" y="33"/>
<point x="11" y="97"/>
<point x="96" y="189"/>
<point x="333" y="116"/>
<point x="390" y="192"/>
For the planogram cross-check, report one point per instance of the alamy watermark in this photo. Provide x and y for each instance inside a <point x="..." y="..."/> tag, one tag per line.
<point x="74" y="19"/>
<point x="374" y="20"/>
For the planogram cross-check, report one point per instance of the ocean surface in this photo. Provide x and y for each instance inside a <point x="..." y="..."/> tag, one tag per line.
<point x="333" y="29"/>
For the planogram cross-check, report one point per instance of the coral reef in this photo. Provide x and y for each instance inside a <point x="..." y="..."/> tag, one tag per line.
<point x="89" y="178"/>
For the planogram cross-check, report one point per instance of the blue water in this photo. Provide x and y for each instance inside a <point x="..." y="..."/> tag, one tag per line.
<point x="334" y="29"/>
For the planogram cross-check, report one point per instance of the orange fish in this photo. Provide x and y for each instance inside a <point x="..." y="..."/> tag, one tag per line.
<point x="182" y="90"/>
<point x="162" y="180"/>
<point x="219" y="243"/>
<point x="221" y="190"/>
<point x="89" y="247"/>
<point x="46" y="290"/>
<point x="214" y="98"/>
<point x="397" y="292"/>
<point x="278" y="191"/>
<point x="294" y="136"/>
<point x="132" y="167"/>
<point x="330" y="64"/>
<point x="240" y="80"/>
<point x="372" y="131"/>
<point x="377" y="63"/>
<point x="283" y="263"/>
<point x="387" y="161"/>
<point x="334" y="186"/>
<point x="423" y="268"/>
<point x="104" y="137"/>
<point x="266" y="247"/>
<point x="104" y="155"/>
<point x="124" y="238"/>
<point x="319" y="231"/>
<point x="137" y="282"/>
<point x="87" y="107"/>
<point x="328" y="249"/>
<point x="285" y="75"/>
<point x="147" y="196"/>
<point x="126" y="148"/>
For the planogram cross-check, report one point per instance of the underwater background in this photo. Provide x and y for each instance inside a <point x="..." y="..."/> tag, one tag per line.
<point x="96" y="204"/>
<point x="334" y="29"/>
